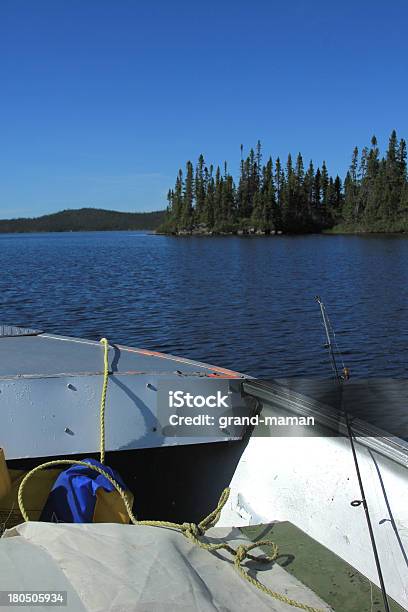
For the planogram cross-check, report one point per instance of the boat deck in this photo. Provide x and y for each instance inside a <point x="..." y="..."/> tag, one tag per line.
<point x="52" y="384"/>
<point x="43" y="355"/>
<point x="336" y="582"/>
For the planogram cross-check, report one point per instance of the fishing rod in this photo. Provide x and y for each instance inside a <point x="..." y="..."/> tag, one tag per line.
<point x="329" y="344"/>
<point x="332" y="346"/>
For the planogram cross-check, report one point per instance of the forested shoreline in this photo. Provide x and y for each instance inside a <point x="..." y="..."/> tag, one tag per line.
<point x="273" y="197"/>
<point x="269" y="197"/>
<point x="84" y="219"/>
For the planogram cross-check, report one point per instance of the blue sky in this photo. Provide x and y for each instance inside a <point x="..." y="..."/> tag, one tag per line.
<point x="102" y="101"/>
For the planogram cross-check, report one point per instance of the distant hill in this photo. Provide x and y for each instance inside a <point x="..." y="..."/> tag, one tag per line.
<point x="85" y="219"/>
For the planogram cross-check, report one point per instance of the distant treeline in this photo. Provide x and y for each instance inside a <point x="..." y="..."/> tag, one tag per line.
<point x="276" y="197"/>
<point x="85" y="219"/>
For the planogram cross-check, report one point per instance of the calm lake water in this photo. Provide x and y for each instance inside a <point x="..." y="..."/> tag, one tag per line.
<point x="243" y="303"/>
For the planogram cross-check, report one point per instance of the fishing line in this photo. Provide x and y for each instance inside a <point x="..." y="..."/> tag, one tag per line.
<point x="363" y="501"/>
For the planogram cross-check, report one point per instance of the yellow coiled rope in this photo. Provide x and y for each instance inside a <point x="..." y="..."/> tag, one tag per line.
<point x="190" y="530"/>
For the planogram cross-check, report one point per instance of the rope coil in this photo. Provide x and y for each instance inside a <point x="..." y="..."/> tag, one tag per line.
<point x="189" y="530"/>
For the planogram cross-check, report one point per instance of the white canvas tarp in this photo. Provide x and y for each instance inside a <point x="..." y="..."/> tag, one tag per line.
<point x="126" y="568"/>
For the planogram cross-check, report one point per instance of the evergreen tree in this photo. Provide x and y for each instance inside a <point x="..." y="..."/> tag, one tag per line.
<point x="300" y="207"/>
<point x="177" y="206"/>
<point x="253" y="182"/>
<point x="280" y="189"/>
<point x="402" y="160"/>
<point x="244" y="190"/>
<point x="209" y="197"/>
<point x="351" y="190"/>
<point x="270" y="217"/>
<point x="170" y="195"/>
<point x="228" y="200"/>
<point x="371" y="184"/>
<point x="187" y="206"/>
<point x="258" y="165"/>
<point x="316" y="198"/>
<point x="325" y="194"/>
<point x="199" y="185"/>
<point x="289" y="211"/>
<point x="393" y="174"/>
<point x="308" y="191"/>
<point x="337" y="202"/>
<point x="218" y="197"/>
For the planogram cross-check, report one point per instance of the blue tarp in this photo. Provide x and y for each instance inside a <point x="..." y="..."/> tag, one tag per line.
<point x="73" y="496"/>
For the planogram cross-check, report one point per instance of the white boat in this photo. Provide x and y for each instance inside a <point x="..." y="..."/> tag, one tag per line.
<point x="303" y="484"/>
